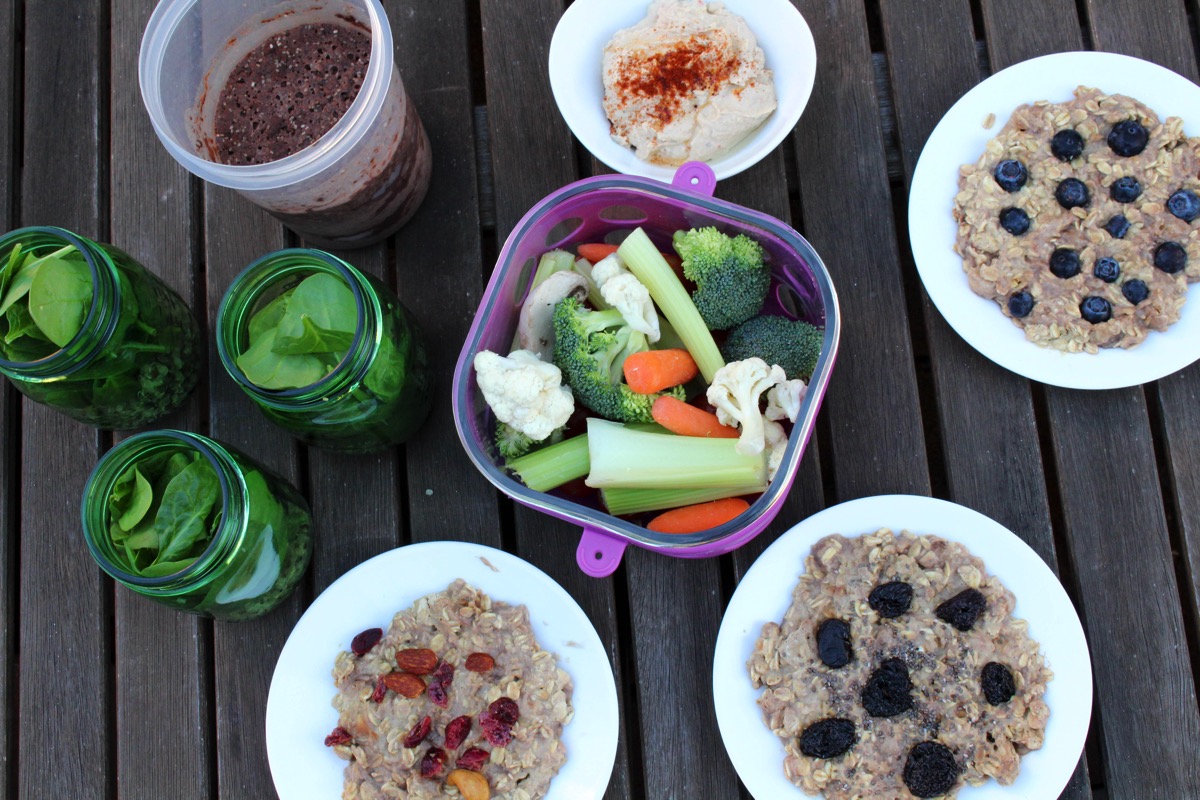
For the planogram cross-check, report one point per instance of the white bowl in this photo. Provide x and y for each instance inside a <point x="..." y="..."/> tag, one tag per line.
<point x="575" y="78"/>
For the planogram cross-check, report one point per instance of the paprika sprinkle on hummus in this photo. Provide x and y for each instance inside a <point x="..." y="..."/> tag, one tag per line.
<point x="688" y="82"/>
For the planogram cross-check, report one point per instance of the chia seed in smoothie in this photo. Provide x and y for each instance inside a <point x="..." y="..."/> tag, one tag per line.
<point x="289" y="91"/>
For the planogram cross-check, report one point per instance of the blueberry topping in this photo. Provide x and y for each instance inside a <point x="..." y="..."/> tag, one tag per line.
<point x="1135" y="291"/>
<point x="930" y="770"/>
<point x="1072" y="193"/>
<point x="888" y="691"/>
<point x="890" y="600"/>
<point x="1011" y="175"/>
<point x="1107" y="269"/>
<point x="1095" y="310"/>
<point x="1128" y="138"/>
<point x="1117" y="227"/>
<point x="1020" y="304"/>
<point x="828" y="738"/>
<point x="1066" y="145"/>
<point x="1185" y="205"/>
<point x="997" y="683"/>
<point x="833" y="643"/>
<point x="1064" y="263"/>
<point x="1014" y="220"/>
<point x="1170" y="257"/>
<point x="1125" y="190"/>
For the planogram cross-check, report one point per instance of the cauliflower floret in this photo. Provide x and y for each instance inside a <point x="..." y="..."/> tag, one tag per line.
<point x="783" y="400"/>
<point x="735" y="392"/>
<point x="777" y="440"/>
<point x="524" y="391"/>
<point x="621" y="289"/>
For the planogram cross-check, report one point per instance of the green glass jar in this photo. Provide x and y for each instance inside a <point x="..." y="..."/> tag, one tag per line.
<point x="87" y="330"/>
<point x="195" y="525"/>
<point x="326" y="352"/>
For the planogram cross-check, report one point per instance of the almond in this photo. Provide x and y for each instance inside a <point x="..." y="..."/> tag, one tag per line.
<point x="479" y="662"/>
<point x="471" y="785"/>
<point x="404" y="683"/>
<point x="417" y="660"/>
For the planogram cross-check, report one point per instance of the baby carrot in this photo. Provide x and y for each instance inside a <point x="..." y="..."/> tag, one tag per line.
<point x="700" y="517"/>
<point x="651" y="371"/>
<point x="596" y="252"/>
<point x="686" y="420"/>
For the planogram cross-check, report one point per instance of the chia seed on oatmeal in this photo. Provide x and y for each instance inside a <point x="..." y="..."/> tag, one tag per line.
<point x="1002" y="265"/>
<point x="453" y="624"/>
<point x="945" y="702"/>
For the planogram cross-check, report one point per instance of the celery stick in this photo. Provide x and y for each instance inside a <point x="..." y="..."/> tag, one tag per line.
<point x="620" y="502"/>
<point x="550" y="263"/>
<point x="551" y="467"/>
<point x="643" y="259"/>
<point x="631" y="459"/>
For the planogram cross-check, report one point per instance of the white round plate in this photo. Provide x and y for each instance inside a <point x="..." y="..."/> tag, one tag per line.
<point x="960" y="138"/>
<point x="300" y="713"/>
<point x="575" y="78"/>
<point x="765" y="593"/>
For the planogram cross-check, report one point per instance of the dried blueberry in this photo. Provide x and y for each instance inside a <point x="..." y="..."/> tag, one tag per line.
<point x="963" y="609"/>
<point x="1066" y="145"/>
<point x="1011" y="175"/>
<point x="1170" y="257"/>
<point x="1125" y="190"/>
<point x="1065" y="263"/>
<point x="1020" y="304"/>
<point x="1072" y="193"/>
<point x="828" y="738"/>
<point x="1135" y="291"/>
<point x="888" y="691"/>
<point x="1014" y="220"/>
<point x="1117" y="227"/>
<point x="833" y="643"/>
<point x="890" y="600"/>
<point x="998" y="684"/>
<point x="1128" y="138"/>
<point x="930" y="770"/>
<point x="1107" y="269"/>
<point x="1184" y="204"/>
<point x="1095" y="310"/>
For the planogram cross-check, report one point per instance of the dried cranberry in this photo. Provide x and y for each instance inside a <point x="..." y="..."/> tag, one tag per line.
<point x="473" y="758"/>
<point x="505" y="710"/>
<point x="437" y="694"/>
<point x="418" y="733"/>
<point x="339" y="735"/>
<point x="380" y="691"/>
<point x="363" y="643"/>
<point x="444" y="674"/>
<point x="497" y="732"/>
<point x="433" y="765"/>
<point x="457" y="730"/>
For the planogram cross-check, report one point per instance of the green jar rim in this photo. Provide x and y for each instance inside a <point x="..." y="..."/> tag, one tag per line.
<point x="113" y="463"/>
<point x="71" y="358"/>
<point x="259" y="277"/>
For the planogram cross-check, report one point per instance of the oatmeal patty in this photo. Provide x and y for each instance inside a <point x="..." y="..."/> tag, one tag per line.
<point x="1079" y="221"/>
<point x="899" y="671"/>
<point x="457" y="688"/>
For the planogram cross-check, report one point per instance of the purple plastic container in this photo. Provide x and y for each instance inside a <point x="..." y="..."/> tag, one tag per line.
<point x="604" y="209"/>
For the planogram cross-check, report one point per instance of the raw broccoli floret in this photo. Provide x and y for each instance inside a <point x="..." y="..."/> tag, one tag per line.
<point x="730" y="276"/>
<point x="792" y="344"/>
<point x="511" y="443"/>
<point x="590" y="348"/>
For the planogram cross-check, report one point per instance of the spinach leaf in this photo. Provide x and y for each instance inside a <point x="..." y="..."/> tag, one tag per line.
<point x="263" y="367"/>
<point x="59" y="298"/>
<point x="19" y="287"/>
<point x="21" y="324"/>
<point x="312" y="340"/>
<point x="10" y="267"/>
<point x="140" y="499"/>
<point x="325" y="300"/>
<point x="268" y="316"/>
<point x="186" y="503"/>
<point x="162" y="569"/>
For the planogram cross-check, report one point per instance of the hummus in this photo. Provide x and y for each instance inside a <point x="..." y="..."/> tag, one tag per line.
<point x="687" y="83"/>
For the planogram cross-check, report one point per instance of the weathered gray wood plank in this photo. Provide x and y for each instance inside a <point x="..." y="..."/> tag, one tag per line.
<point x="62" y="182"/>
<point x="152" y="219"/>
<point x="438" y="269"/>
<point x="10" y="448"/>
<point x="877" y="440"/>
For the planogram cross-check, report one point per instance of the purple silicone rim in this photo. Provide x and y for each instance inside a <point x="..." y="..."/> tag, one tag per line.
<point x="590" y="210"/>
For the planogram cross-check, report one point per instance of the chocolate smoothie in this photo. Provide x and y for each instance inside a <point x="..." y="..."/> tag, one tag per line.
<point x="289" y="91"/>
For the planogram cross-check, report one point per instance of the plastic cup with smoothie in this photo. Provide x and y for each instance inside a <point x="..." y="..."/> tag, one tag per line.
<point x="296" y="105"/>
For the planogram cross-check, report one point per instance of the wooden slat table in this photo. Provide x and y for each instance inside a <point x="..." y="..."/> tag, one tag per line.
<point x="109" y="696"/>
